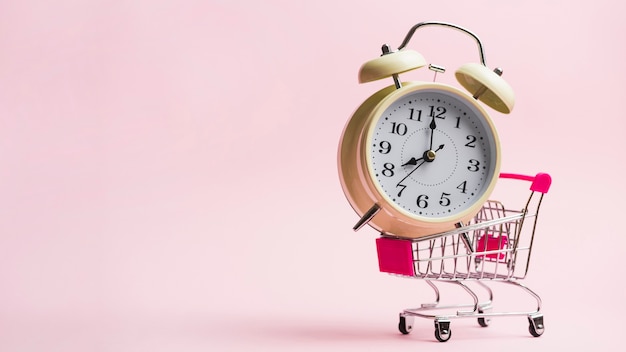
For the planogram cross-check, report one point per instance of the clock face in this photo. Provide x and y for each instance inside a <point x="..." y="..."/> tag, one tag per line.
<point x="432" y="154"/>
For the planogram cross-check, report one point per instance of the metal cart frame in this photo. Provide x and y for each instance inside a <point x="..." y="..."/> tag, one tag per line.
<point x="495" y="246"/>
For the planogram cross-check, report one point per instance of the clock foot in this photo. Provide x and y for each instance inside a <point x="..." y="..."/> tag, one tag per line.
<point x="367" y="217"/>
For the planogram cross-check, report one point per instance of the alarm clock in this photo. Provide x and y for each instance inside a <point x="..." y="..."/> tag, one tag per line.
<point x="418" y="158"/>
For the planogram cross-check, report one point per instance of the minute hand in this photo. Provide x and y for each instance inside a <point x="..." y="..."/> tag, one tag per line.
<point x="412" y="171"/>
<point x="423" y="159"/>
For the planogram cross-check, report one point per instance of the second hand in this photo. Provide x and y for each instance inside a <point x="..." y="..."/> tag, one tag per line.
<point x="426" y="158"/>
<point x="412" y="171"/>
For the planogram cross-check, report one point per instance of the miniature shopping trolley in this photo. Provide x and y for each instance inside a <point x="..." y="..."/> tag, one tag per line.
<point x="495" y="246"/>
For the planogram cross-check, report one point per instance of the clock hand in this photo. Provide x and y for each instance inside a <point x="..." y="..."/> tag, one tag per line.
<point x="429" y="156"/>
<point x="412" y="171"/>
<point x="413" y="161"/>
<point x="432" y="126"/>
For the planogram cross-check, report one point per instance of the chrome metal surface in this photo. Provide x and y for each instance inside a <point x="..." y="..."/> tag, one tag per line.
<point x="409" y="35"/>
<point x="500" y="241"/>
<point x="367" y="217"/>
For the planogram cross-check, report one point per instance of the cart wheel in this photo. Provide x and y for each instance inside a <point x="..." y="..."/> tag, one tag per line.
<point x="405" y="326"/>
<point x="483" y="321"/>
<point x="442" y="330"/>
<point x="535" y="325"/>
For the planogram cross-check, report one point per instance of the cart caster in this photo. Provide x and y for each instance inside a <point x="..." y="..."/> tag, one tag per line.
<point x="406" y="324"/>
<point x="483" y="321"/>
<point x="535" y="325"/>
<point x="442" y="330"/>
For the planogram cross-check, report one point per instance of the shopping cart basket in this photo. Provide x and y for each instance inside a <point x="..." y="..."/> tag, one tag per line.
<point x="495" y="246"/>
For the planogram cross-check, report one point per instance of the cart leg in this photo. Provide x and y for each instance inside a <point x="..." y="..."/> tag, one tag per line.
<point x="437" y="295"/>
<point x="485" y="306"/>
<point x="529" y="291"/>
<point x="442" y="330"/>
<point x="472" y="294"/>
<point x="489" y="291"/>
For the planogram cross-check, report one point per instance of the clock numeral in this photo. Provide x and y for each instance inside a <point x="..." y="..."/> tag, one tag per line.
<point x="422" y="201"/>
<point x="440" y="111"/>
<point x="462" y="187"/>
<point x="385" y="147"/>
<point x="473" y="167"/>
<point x="414" y="115"/>
<point x="401" y="190"/>
<point x="398" y="128"/>
<point x="458" y="122"/>
<point x="444" y="201"/>
<point x="388" y="171"/>
<point x="472" y="141"/>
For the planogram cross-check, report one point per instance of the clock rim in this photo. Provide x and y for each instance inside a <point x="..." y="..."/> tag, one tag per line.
<point x="359" y="185"/>
<point x="370" y="130"/>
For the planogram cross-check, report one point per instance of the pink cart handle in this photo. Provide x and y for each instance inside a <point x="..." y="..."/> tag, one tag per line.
<point x="540" y="182"/>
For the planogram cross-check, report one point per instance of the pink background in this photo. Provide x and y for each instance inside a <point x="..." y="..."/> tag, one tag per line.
<point x="168" y="172"/>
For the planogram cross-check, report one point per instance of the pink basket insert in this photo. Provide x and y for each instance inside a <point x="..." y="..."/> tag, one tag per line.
<point x="488" y="242"/>
<point x="395" y="256"/>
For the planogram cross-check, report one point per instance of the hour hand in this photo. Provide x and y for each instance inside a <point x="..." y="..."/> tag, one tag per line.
<point x="413" y="161"/>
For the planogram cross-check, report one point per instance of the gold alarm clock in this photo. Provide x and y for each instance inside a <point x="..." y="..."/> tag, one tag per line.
<point x="418" y="158"/>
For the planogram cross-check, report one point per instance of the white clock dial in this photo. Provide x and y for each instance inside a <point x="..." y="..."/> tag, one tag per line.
<point x="432" y="154"/>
